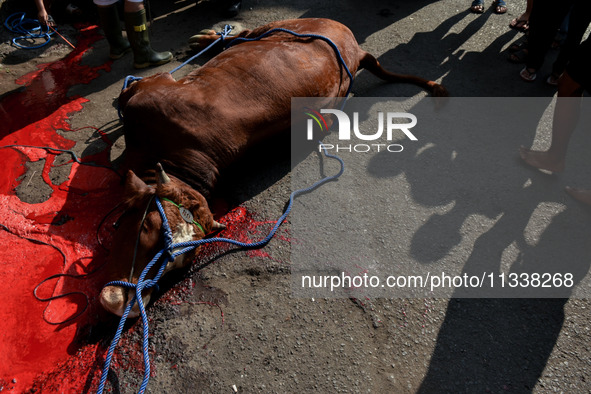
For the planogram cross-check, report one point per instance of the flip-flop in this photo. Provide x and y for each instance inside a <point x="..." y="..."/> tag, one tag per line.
<point x="527" y="75"/>
<point x="518" y="46"/>
<point x="477" y="6"/>
<point x="500" y="6"/>
<point x="519" y="24"/>
<point x="552" y="79"/>
<point x="518" y="57"/>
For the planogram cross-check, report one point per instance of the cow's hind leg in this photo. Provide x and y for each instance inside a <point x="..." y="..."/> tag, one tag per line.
<point x="371" y="64"/>
<point x="208" y="36"/>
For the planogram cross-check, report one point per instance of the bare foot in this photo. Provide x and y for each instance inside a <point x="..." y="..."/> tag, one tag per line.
<point x="581" y="195"/>
<point x="541" y="160"/>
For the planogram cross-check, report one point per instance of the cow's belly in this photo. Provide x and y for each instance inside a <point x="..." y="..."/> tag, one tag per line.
<point x="282" y="66"/>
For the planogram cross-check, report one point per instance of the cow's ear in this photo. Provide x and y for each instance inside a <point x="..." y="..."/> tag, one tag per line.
<point x="134" y="186"/>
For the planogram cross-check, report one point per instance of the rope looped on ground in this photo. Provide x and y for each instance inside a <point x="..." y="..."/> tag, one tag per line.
<point x="30" y="29"/>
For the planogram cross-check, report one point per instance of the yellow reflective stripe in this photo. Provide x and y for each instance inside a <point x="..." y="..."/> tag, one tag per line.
<point x="140" y="28"/>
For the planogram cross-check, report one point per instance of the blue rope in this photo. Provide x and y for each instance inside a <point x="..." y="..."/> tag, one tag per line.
<point x="130" y="78"/>
<point x="223" y="34"/>
<point x="169" y="255"/>
<point x="315" y="36"/>
<point x="29" y="28"/>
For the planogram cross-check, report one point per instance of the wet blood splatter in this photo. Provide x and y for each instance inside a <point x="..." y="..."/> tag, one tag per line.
<point x="243" y="226"/>
<point x="37" y="243"/>
<point x="58" y="236"/>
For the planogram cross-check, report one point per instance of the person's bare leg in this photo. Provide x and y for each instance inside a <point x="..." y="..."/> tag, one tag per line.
<point x="566" y="117"/>
<point x="523" y="20"/>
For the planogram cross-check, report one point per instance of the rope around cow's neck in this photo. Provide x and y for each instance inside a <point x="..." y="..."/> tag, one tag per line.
<point x="238" y="40"/>
<point x="168" y="253"/>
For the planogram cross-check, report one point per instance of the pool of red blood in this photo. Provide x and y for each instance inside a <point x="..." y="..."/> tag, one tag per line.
<point x="37" y="243"/>
<point x="59" y="236"/>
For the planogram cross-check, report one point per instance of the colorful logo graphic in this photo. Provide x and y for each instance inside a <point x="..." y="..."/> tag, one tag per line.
<point x="390" y="124"/>
<point x="320" y="121"/>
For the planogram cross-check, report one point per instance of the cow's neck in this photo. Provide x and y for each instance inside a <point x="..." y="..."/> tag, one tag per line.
<point x="201" y="181"/>
<point x="198" y="174"/>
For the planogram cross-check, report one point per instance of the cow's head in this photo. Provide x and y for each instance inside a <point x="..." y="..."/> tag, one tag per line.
<point x="139" y="234"/>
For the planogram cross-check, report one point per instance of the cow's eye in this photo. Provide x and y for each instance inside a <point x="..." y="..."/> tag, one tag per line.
<point x="148" y="222"/>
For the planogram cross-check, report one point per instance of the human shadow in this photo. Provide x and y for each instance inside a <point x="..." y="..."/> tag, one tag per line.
<point x="505" y="344"/>
<point x="484" y="344"/>
<point x="367" y="18"/>
<point x="441" y="54"/>
<point x="489" y="214"/>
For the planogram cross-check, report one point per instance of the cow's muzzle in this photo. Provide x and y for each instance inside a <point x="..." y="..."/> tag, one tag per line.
<point x="116" y="298"/>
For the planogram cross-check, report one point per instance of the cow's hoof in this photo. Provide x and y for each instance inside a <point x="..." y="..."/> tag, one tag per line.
<point x="205" y="33"/>
<point x="202" y="39"/>
<point x="439" y="91"/>
<point x="206" y="37"/>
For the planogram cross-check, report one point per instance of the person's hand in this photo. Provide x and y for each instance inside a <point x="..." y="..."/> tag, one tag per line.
<point x="45" y="19"/>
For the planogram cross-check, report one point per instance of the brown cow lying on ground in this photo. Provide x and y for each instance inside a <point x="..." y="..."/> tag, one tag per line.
<point x="202" y="123"/>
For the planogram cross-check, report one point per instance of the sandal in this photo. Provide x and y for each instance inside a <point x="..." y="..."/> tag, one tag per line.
<point x="521" y="25"/>
<point x="518" y="46"/>
<point x="477" y="7"/>
<point x="500" y="6"/>
<point x="552" y="79"/>
<point x="518" y="57"/>
<point x="528" y="74"/>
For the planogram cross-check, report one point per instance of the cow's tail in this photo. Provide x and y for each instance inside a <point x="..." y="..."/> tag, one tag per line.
<point x="371" y="64"/>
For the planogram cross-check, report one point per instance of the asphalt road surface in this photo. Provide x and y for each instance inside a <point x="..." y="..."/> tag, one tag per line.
<point x="464" y="198"/>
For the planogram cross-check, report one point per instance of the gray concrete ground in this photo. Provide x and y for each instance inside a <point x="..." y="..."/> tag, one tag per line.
<point x="272" y="342"/>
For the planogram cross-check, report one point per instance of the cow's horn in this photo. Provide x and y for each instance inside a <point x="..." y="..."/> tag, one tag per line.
<point x="218" y="225"/>
<point x="161" y="174"/>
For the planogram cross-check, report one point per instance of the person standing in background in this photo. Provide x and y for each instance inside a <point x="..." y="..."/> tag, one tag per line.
<point x="138" y="39"/>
